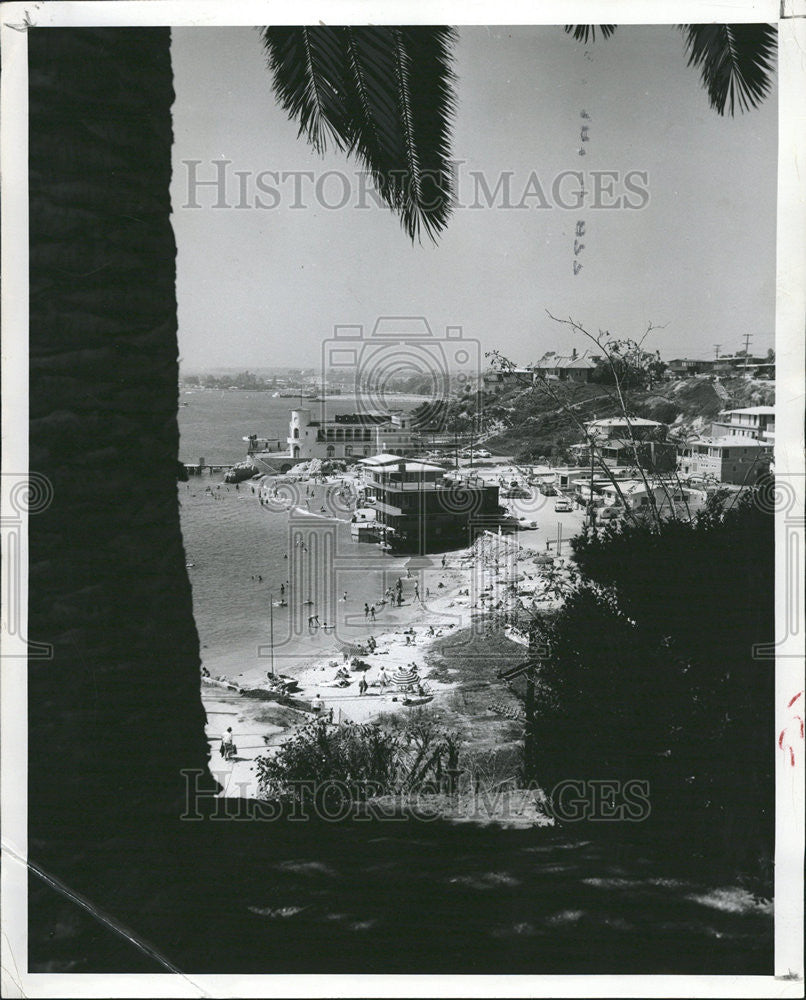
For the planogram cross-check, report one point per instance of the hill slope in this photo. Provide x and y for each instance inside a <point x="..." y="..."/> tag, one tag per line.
<point x="534" y="424"/>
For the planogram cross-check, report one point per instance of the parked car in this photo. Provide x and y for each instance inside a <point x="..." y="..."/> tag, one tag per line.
<point x="563" y="505"/>
<point x="483" y="453"/>
<point x="525" y="524"/>
<point x="548" y="490"/>
<point x="612" y="513"/>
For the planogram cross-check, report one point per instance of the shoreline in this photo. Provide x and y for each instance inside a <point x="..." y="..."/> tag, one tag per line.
<point x="496" y="573"/>
<point x="449" y="610"/>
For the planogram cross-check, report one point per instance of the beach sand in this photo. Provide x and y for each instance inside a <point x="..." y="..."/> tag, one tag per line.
<point x="490" y="574"/>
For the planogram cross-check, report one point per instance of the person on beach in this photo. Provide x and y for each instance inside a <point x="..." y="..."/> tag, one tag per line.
<point x="317" y="704"/>
<point x="383" y="680"/>
<point x="227" y="744"/>
<point x="399" y="598"/>
<point x="427" y="592"/>
<point x="362" y="686"/>
<point x="366" y="611"/>
<point x="344" y="596"/>
<point x="282" y="589"/>
<point x="416" y="591"/>
<point x="372" y="612"/>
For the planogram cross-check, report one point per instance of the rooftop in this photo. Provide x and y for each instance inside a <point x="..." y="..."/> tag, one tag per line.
<point x="385" y="462"/>
<point x="551" y="361"/>
<point x="384" y="459"/>
<point x="735" y="441"/>
<point x="765" y="410"/>
<point x="619" y="421"/>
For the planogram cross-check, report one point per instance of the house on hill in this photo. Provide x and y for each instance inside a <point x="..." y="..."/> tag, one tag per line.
<point x="620" y="443"/>
<point x="750" y="421"/>
<point x="567" y="367"/>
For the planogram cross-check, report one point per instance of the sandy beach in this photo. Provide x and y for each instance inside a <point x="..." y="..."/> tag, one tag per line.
<point x="442" y="594"/>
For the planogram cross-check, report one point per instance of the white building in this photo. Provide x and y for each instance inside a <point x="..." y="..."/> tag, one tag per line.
<point x="349" y="435"/>
<point x="737" y="459"/>
<point x="751" y="421"/>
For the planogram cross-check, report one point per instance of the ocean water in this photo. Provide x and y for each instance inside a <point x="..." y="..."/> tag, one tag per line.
<point x="214" y="421"/>
<point x="240" y="551"/>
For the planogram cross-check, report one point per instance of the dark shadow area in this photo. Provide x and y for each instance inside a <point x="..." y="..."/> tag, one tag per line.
<point x="400" y="896"/>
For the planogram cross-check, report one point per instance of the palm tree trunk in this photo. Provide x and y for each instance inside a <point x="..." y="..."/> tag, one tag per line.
<point x="116" y="714"/>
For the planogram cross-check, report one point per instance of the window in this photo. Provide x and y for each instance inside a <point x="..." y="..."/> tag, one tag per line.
<point x="296" y="432"/>
<point x="348" y="449"/>
<point x="330" y="451"/>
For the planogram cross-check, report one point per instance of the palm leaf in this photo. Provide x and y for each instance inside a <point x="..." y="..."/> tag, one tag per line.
<point x="736" y="62"/>
<point x="587" y="32"/>
<point x="383" y="94"/>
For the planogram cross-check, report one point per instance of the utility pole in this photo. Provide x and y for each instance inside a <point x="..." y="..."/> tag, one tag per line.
<point x="271" y="630"/>
<point x="747" y="338"/>
<point x="590" y="498"/>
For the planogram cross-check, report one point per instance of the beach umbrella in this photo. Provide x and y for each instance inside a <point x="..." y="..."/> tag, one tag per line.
<point x="403" y="678"/>
<point x="419" y="562"/>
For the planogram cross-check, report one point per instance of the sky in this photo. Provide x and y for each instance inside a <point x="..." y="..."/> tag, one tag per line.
<point x="265" y="286"/>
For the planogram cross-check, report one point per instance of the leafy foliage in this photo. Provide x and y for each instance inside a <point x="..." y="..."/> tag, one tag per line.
<point x="587" y="32"/>
<point x="627" y="364"/>
<point x="736" y="62"/>
<point x="358" y="759"/>
<point x="384" y="94"/>
<point x="652" y="672"/>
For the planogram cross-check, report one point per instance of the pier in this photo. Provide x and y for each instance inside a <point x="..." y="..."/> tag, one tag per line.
<point x="200" y="467"/>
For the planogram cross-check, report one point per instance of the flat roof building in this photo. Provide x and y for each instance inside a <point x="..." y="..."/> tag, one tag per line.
<point x="421" y="509"/>
<point x="349" y="435"/>
<point x="749" y="421"/>
<point x="738" y="460"/>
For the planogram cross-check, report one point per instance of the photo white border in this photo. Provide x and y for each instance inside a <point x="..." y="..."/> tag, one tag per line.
<point x="789" y="457"/>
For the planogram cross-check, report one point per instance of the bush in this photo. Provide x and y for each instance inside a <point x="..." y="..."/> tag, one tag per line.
<point x="652" y="673"/>
<point x="358" y="760"/>
<point x="358" y="755"/>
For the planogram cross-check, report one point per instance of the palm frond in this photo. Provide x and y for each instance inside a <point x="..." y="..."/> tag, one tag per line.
<point x="307" y="65"/>
<point x="736" y="62"/>
<point x="383" y="94"/>
<point x="587" y="32"/>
